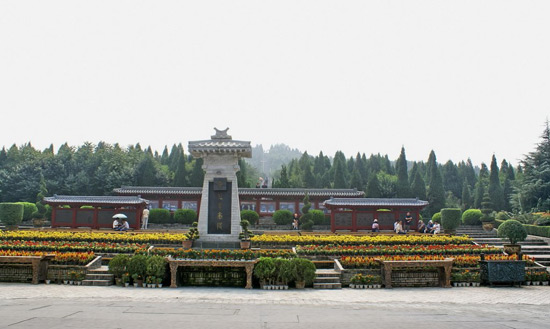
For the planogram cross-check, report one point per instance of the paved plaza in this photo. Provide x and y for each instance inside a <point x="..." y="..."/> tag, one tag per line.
<point x="59" y="306"/>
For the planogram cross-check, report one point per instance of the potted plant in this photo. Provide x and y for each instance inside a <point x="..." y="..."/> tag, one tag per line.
<point x="245" y="234"/>
<point x="156" y="268"/>
<point x="137" y="268"/>
<point x="191" y="235"/>
<point x="118" y="266"/>
<point x="304" y="272"/>
<point x="487" y="219"/>
<point x="72" y="276"/>
<point x="514" y="232"/>
<point x="126" y="279"/>
<point x="264" y="271"/>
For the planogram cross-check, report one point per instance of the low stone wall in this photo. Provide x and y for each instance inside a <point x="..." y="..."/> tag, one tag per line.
<point x="213" y="276"/>
<point x="16" y="273"/>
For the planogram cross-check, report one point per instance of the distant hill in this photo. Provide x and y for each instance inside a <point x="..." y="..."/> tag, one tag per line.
<point x="269" y="161"/>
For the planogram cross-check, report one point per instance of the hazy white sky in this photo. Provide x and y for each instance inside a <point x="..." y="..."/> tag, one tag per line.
<point x="464" y="78"/>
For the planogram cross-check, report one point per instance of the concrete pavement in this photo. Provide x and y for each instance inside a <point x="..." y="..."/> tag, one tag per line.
<point x="58" y="306"/>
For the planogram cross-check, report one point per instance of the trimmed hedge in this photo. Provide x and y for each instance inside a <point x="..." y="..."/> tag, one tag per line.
<point x="450" y="218"/>
<point x="185" y="216"/>
<point x="283" y="217"/>
<point x="538" y="230"/>
<point x="11" y="213"/>
<point x="472" y="217"/>
<point x="159" y="216"/>
<point x="28" y="209"/>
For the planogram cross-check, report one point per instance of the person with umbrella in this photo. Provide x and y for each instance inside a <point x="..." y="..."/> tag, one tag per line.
<point x="120" y="222"/>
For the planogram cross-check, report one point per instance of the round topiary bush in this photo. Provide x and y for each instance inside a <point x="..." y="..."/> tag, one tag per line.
<point x="159" y="216"/>
<point x="283" y="217"/>
<point x="185" y="216"/>
<point x="304" y="270"/>
<point x="250" y="215"/>
<point x="450" y="219"/>
<point x="319" y="217"/>
<point x="472" y="217"/>
<point x="512" y="230"/>
<point x="11" y="214"/>
<point x="137" y="266"/>
<point x="436" y="217"/>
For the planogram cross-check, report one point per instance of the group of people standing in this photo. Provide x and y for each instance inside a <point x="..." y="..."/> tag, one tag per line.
<point x="403" y="226"/>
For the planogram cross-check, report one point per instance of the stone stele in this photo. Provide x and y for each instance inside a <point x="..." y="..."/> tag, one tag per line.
<point x="220" y="215"/>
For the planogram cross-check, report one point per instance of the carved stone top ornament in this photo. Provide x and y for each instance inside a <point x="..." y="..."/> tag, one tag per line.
<point x="221" y="134"/>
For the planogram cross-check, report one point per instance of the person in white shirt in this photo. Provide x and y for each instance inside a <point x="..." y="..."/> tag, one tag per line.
<point x="124" y="226"/>
<point x="145" y="219"/>
<point x="116" y="224"/>
<point x="437" y="228"/>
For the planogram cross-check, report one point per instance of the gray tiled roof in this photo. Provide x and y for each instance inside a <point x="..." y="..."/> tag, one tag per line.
<point x="221" y="146"/>
<point x="376" y="202"/>
<point x="327" y="193"/>
<point x="91" y="200"/>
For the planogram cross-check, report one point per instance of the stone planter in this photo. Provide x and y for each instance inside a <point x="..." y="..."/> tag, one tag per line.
<point x="488" y="226"/>
<point x="502" y="271"/>
<point x="187" y="244"/>
<point x="245" y="244"/>
<point x="512" y="249"/>
<point x="300" y="284"/>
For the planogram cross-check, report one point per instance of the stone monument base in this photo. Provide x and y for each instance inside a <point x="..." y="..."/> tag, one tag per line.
<point x="217" y="243"/>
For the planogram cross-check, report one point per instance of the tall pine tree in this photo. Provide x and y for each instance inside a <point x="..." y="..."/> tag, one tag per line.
<point x="403" y="190"/>
<point x="495" y="189"/>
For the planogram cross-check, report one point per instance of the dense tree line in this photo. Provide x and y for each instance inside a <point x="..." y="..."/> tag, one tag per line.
<point x="96" y="169"/>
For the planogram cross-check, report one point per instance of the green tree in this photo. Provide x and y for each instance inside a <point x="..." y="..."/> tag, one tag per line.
<point x="451" y="179"/>
<point x="466" y="196"/>
<point x="339" y="174"/>
<point x="373" y="187"/>
<point x="196" y="177"/>
<point x="403" y="190"/>
<point x="180" y="175"/>
<point x="435" y="193"/>
<point x="534" y="187"/>
<point x="495" y="189"/>
<point x="418" y="186"/>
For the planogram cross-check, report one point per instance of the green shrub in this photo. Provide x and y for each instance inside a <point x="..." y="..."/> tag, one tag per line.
<point x="138" y="266"/>
<point x="118" y="265"/>
<point x="503" y="215"/>
<point x="472" y="217"/>
<point x="538" y="230"/>
<point x="159" y="216"/>
<point x="437" y="217"/>
<point x="306" y="221"/>
<point x="250" y="215"/>
<point x="543" y="221"/>
<point x="28" y="209"/>
<point x="264" y="270"/>
<point x="185" y="216"/>
<point x="319" y="217"/>
<point x="450" y="218"/>
<point x="284" y="271"/>
<point x="48" y="214"/>
<point x="283" y="217"/>
<point x="304" y="269"/>
<point x="512" y="230"/>
<point x="11" y="213"/>
<point x="156" y="266"/>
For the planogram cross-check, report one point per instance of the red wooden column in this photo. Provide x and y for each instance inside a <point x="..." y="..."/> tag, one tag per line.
<point x="74" y="217"/>
<point x="332" y="221"/>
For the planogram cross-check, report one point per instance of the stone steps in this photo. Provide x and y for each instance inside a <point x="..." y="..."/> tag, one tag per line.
<point x="99" y="277"/>
<point x="327" y="279"/>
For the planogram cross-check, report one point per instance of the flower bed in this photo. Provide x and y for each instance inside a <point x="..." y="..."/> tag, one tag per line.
<point x="70" y="246"/>
<point x="127" y="237"/>
<point x="222" y="254"/>
<point x="361" y="262"/>
<point x="403" y="249"/>
<point x="349" y="240"/>
<point x="66" y="258"/>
